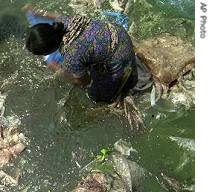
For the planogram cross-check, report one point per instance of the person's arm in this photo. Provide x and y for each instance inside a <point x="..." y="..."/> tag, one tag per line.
<point x="35" y="16"/>
<point x="40" y="12"/>
<point x="82" y="81"/>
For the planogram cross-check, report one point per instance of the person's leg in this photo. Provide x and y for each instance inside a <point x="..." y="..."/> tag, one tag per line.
<point x="106" y="87"/>
<point x="131" y="82"/>
<point x="145" y="80"/>
<point x="103" y="87"/>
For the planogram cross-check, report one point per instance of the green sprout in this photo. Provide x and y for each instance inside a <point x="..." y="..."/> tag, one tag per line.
<point x="103" y="154"/>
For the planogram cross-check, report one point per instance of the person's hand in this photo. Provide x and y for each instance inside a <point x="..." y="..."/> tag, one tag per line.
<point x="40" y="12"/>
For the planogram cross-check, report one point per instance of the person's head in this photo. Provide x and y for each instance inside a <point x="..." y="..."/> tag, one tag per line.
<point x="44" y="38"/>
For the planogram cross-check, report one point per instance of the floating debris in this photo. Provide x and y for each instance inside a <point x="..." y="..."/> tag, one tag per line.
<point x="123" y="147"/>
<point x="10" y="140"/>
<point x="11" y="143"/>
<point x="7" y="180"/>
<point x="82" y="7"/>
<point x="170" y="183"/>
<point x="115" y="173"/>
<point x="95" y="182"/>
<point x="185" y="143"/>
<point x="170" y="60"/>
<point x="121" y="5"/>
<point x="128" y="109"/>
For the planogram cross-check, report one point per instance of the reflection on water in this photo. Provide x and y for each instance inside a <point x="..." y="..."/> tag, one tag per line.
<point x="60" y="121"/>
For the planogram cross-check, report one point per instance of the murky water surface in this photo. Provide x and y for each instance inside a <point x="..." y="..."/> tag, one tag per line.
<point x="63" y="126"/>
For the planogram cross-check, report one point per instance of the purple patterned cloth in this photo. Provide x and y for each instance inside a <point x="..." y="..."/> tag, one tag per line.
<point x="92" y="52"/>
<point x="95" y="52"/>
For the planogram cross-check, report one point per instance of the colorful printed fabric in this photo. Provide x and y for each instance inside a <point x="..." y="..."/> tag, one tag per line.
<point x="103" y="50"/>
<point x="94" y="47"/>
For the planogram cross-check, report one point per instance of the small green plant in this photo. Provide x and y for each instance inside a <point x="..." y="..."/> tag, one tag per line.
<point x="103" y="154"/>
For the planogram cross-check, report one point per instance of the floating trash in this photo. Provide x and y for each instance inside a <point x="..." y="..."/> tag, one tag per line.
<point x="185" y="143"/>
<point x="11" y="143"/>
<point x="114" y="173"/>
<point x="170" y="60"/>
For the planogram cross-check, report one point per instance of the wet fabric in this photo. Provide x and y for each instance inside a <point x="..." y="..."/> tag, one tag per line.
<point x="104" y="50"/>
<point x="144" y="76"/>
<point x="100" y="93"/>
<point x="101" y="43"/>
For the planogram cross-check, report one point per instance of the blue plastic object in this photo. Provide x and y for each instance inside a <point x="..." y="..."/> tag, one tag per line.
<point x="33" y="19"/>
<point x="55" y="56"/>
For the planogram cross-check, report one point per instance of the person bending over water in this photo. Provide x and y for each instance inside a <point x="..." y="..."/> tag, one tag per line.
<point x="90" y="53"/>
